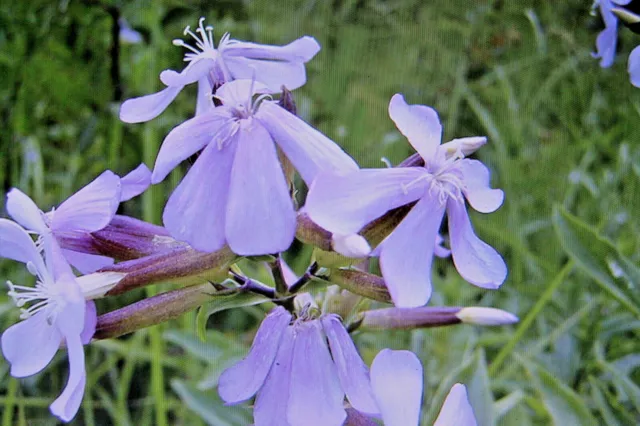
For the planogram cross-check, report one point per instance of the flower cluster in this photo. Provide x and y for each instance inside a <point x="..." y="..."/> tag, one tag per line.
<point x="239" y="199"/>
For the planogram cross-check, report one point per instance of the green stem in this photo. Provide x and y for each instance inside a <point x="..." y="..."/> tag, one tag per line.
<point x="529" y="318"/>
<point x="9" y="402"/>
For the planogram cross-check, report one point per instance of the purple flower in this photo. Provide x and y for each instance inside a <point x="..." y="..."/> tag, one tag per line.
<point x="236" y="192"/>
<point x="607" y="39"/>
<point x="274" y="66"/>
<point x="343" y="204"/>
<point x="634" y="66"/>
<point x="296" y="378"/>
<point x="88" y="210"/>
<point x="396" y="379"/>
<point x="58" y="313"/>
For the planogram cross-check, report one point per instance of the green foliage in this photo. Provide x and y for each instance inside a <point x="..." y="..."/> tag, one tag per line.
<point x="562" y="132"/>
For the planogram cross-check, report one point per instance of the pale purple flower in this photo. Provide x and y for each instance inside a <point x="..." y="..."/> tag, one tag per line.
<point x="88" y="210"/>
<point x="345" y="203"/>
<point x="298" y="380"/>
<point x="210" y="67"/>
<point x="607" y="39"/>
<point x="236" y="192"/>
<point x="58" y="312"/>
<point x="396" y="379"/>
<point x="127" y="34"/>
<point x="634" y="66"/>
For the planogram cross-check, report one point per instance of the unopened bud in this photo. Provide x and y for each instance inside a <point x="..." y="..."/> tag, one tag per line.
<point x="361" y="283"/>
<point x="466" y="146"/>
<point x="353" y="245"/>
<point x="182" y="265"/>
<point x="486" y="316"/>
<point x="125" y="238"/>
<point x="154" y="310"/>
<point x="626" y="16"/>
<point x="408" y="318"/>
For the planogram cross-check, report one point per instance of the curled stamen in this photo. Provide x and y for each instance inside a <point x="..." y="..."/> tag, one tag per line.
<point x="387" y="163"/>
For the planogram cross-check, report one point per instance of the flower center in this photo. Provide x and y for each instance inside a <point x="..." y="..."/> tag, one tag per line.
<point x="45" y="294"/>
<point x="444" y="177"/>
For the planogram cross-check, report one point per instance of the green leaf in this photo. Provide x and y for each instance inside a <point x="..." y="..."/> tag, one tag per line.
<point x="564" y="406"/>
<point x="235" y="300"/>
<point x="599" y="258"/>
<point x="209" y="406"/>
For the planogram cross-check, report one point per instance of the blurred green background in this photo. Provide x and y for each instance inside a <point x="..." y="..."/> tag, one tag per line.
<point x="562" y="133"/>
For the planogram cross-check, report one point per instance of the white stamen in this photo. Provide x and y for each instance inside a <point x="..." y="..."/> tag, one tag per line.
<point x="386" y="162"/>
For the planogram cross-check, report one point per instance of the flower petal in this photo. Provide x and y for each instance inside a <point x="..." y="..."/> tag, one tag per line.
<point x="299" y="50"/>
<point x="475" y="260"/>
<point x="634" y="66"/>
<point x="477" y="187"/>
<point x="238" y="93"/>
<point x="90" y="322"/>
<point x="352" y="372"/>
<point x="190" y="137"/>
<point x="29" y="346"/>
<point x="86" y="263"/>
<point x="315" y="397"/>
<point x="396" y="378"/>
<point x="272" y="74"/>
<point x="201" y="198"/>
<point x="24" y="211"/>
<point x="145" y="108"/>
<point x="406" y="255"/>
<point x="91" y="208"/>
<point x="193" y="72"/>
<point x="456" y="410"/>
<point x="16" y="244"/>
<point x="310" y="151"/>
<point x="270" y="407"/>
<point x="243" y="380"/>
<point x="440" y="250"/>
<point x="419" y="124"/>
<point x="135" y="182"/>
<point x="95" y="285"/>
<point x="260" y="216"/>
<point x="204" y="102"/>
<point x="275" y="66"/>
<point x="67" y="404"/>
<point x="343" y="204"/>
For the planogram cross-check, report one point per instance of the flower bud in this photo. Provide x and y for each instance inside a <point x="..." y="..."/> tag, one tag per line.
<point x="408" y="318"/>
<point x="361" y="283"/>
<point x="179" y="265"/>
<point x="486" y="316"/>
<point x="125" y="238"/>
<point x="154" y="310"/>
<point x="353" y="245"/>
<point x="310" y="233"/>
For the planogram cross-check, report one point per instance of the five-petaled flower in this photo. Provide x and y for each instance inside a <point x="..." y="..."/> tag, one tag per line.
<point x="210" y="67"/>
<point x="88" y="210"/>
<point x="59" y="312"/>
<point x="236" y="192"/>
<point x="344" y="203"/>
<point x="298" y="379"/>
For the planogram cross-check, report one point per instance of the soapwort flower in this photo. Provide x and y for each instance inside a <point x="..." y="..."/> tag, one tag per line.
<point x="296" y="377"/>
<point x="396" y="379"/>
<point x="236" y="192"/>
<point x="88" y="210"/>
<point x="345" y="203"/>
<point x="58" y="312"/>
<point x="210" y="67"/>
